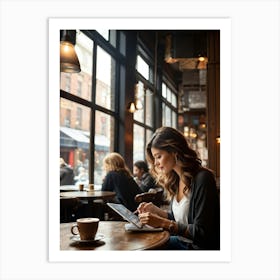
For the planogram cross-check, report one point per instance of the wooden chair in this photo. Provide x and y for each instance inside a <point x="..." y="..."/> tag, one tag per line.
<point x="153" y="195"/>
<point x="68" y="209"/>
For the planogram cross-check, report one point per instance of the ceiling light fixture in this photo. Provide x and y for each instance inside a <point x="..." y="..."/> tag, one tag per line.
<point x="69" y="61"/>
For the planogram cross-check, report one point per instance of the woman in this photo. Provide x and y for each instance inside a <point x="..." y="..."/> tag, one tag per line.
<point x="194" y="219"/>
<point x="119" y="179"/>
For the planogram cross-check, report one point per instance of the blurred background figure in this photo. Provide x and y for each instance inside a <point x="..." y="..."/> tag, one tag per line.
<point x="82" y="177"/>
<point x="119" y="179"/>
<point x="142" y="176"/>
<point x="66" y="173"/>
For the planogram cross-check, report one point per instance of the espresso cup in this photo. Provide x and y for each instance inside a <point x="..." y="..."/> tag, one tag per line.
<point x="87" y="228"/>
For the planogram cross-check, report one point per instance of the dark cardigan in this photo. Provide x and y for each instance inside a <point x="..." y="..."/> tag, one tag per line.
<point x="125" y="187"/>
<point x="204" y="213"/>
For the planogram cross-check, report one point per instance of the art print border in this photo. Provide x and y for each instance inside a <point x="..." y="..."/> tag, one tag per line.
<point x="222" y="24"/>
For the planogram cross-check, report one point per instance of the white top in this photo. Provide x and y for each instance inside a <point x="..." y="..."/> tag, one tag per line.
<point x="180" y="211"/>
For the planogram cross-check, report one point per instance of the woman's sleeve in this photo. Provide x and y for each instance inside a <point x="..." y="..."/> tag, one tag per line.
<point x="204" y="209"/>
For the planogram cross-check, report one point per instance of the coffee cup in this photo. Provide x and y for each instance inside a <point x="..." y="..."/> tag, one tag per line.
<point x="81" y="187"/>
<point x="87" y="228"/>
<point x="91" y="187"/>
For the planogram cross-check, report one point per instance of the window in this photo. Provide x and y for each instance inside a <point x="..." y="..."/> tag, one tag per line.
<point x="74" y="140"/>
<point x="105" y="80"/>
<point x="169" y="106"/>
<point x="144" y="116"/>
<point x="142" y="67"/>
<point x="76" y="114"/>
<point x="138" y="144"/>
<point x="103" y="142"/>
<point x="149" y="108"/>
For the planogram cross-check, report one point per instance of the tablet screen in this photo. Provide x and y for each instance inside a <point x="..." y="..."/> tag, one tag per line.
<point x="125" y="213"/>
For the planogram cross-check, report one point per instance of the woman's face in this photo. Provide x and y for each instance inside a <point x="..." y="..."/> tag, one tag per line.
<point x="137" y="172"/>
<point x="164" y="161"/>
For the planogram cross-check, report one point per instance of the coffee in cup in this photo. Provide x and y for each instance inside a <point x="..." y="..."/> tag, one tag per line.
<point x="87" y="228"/>
<point x="91" y="187"/>
<point x="81" y="187"/>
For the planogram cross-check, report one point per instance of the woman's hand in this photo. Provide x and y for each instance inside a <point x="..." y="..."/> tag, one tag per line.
<point x="150" y="219"/>
<point x="146" y="207"/>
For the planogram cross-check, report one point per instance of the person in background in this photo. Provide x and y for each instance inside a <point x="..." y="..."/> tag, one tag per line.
<point x="82" y="177"/>
<point x="142" y="176"/>
<point x="194" y="216"/>
<point x="66" y="173"/>
<point x="119" y="179"/>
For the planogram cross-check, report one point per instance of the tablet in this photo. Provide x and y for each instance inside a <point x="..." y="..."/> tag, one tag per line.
<point x="125" y="213"/>
<point x="132" y="227"/>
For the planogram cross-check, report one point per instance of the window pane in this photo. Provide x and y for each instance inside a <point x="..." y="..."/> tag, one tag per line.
<point x="103" y="143"/>
<point x="174" y="119"/>
<point x="138" y="143"/>
<point x="164" y="90"/>
<point x="142" y="67"/>
<point x="74" y="138"/>
<point x="167" y="116"/>
<point x="149" y="108"/>
<point x="104" y="33"/>
<point x="173" y="99"/>
<point x="80" y="83"/>
<point x="113" y="38"/>
<point x="168" y="94"/>
<point x="105" y="80"/>
<point x="163" y="114"/>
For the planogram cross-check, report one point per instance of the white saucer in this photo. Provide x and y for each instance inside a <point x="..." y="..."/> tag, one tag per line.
<point x="77" y="238"/>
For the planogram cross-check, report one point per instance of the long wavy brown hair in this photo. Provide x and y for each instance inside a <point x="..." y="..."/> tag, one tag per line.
<point x="173" y="141"/>
<point x="115" y="162"/>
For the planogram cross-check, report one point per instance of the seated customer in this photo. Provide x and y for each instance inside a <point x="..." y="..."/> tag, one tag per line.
<point x="66" y="173"/>
<point x="119" y="179"/>
<point x="142" y="176"/>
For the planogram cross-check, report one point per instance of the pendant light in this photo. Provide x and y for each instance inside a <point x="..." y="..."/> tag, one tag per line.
<point x="131" y="107"/>
<point x="69" y="61"/>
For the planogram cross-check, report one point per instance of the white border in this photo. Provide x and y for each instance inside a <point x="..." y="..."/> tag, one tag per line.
<point x="224" y="25"/>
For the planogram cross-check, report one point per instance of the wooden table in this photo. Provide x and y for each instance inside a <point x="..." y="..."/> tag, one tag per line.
<point x="115" y="238"/>
<point x="89" y="195"/>
<point x="70" y="188"/>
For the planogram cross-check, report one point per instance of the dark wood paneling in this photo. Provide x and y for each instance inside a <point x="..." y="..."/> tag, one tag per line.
<point x="213" y="100"/>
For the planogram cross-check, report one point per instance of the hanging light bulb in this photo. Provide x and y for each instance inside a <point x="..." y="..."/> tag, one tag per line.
<point x="69" y="61"/>
<point x="201" y="58"/>
<point x="131" y="107"/>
